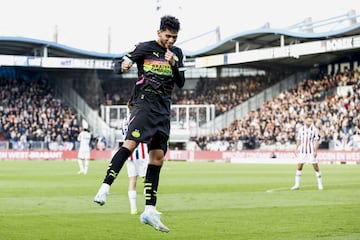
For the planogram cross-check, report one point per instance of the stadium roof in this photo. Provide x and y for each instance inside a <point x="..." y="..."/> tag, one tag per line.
<point x="306" y="31"/>
<point x="267" y="37"/>
<point x="33" y="47"/>
<point x="256" y="39"/>
<point x="271" y="38"/>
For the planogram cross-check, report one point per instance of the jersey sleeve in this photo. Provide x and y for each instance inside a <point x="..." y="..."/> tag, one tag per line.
<point x="132" y="57"/>
<point x="178" y="69"/>
<point x="137" y="53"/>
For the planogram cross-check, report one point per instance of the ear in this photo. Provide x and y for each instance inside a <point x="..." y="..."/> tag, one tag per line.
<point x="158" y="33"/>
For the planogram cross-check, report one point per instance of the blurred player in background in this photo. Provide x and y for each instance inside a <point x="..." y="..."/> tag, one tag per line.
<point x="306" y="150"/>
<point x="160" y="66"/>
<point x="84" y="150"/>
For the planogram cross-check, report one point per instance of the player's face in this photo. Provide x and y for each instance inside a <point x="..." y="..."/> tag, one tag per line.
<point x="167" y="38"/>
<point x="308" y="122"/>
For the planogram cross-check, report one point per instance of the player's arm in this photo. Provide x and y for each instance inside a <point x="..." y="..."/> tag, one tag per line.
<point x="123" y="65"/>
<point x="316" y="143"/>
<point x="117" y="66"/>
<point x="316" y="147"/>
<point x="177" y="66"/>
<point x="298" y="143"/>
<point x="126" y="64"/>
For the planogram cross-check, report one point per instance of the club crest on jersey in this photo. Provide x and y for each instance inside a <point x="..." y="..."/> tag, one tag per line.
<point x="136" y="133"/>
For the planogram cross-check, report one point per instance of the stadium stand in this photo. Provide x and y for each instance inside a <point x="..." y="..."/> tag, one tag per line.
<point x="252" y="110"/>
<point x="275" y="122"/>
<point x="226" y="93"/>
<point x="31" y="118"/>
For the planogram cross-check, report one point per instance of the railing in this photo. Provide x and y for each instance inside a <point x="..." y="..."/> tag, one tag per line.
<point x="185" y="119"/>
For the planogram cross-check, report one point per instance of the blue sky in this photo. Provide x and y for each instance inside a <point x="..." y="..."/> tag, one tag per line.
<point x="86" y="24"/>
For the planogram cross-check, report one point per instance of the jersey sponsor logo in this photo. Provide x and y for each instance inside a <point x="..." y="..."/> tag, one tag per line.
<point x="136" y="133"/>
<point x="159" y="67"/>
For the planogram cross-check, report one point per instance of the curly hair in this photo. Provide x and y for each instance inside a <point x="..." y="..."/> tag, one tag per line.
<point x="169" y="23"/>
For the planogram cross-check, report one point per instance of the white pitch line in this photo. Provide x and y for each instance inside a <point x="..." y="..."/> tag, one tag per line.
<point x="276" y="189"/>
<point x="307" y="187"/>
<point x="283" y="189"/>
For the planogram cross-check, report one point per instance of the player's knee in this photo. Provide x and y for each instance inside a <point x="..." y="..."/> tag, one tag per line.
<point x="159" y="141"/>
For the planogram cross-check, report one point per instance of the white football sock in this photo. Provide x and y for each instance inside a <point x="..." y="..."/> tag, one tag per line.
<point x="81" y="166"/>
<point x="104" y="188"/>
<point x="319" y="178"/>
<point x="298" y="178"/>
<point x="86" y="166"/>
<point x="132" y="199"/>
<point x="149" y="208"/>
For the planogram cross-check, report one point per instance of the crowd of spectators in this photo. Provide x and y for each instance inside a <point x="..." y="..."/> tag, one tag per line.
<point x="226" y="93"/>
<point x="29" y="113"/>
<point x="276" y="121"/>
<point x="117" y="92"/>
<point x="336" y="115"/>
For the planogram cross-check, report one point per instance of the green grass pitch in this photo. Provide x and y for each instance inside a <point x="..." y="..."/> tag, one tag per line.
<point x="200" y="200"/>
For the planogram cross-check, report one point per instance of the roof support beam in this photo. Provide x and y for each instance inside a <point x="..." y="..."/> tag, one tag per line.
<point x="45" y="51"/>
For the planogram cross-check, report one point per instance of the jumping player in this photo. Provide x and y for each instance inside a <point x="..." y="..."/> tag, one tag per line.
<point x="160" y="67"/>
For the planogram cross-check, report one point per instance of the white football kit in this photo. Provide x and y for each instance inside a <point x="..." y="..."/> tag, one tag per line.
<point x="84" y="150"/>
<point x="138" y="161"/>
<point x="308" y="137"/>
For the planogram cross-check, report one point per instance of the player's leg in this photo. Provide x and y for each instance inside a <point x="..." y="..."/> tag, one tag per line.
<point x="86" y="161"/>
<point x="158" y="148"/>
<point x="132" y="175"/>
<point x="132" y="195"/>
<point x="318" y="176"/>
<point x="81" y="166"/>
<point x="86" y="166"/>
<point x="298" y="176"/>
<point x="113" y="170"/>
<point x="141" y="166"/>
<point x="152" y="176"/>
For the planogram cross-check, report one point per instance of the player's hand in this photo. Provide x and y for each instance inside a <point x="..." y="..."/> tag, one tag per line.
<point x="169" y="56"/>
<point x="125" y="66"/>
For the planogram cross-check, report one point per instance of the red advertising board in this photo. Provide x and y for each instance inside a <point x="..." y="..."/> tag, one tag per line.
<point x="331" y="156"/>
